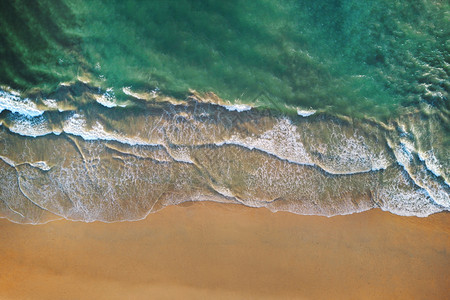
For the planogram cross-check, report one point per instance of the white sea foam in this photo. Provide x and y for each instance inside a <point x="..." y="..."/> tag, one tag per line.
<point x="127" y="91"/>
<point x="107" y="99"/>
<point x="140" y="96"/>
<point x="14" y="103"/>
<point x="8" y="161"/>
<point x="432" y="163"/>
<point x="26" y="126"/>
<point x="404" y="155"/>
<point x="305" y="113"/>
<point x="226" y="192"/>
<point x="41" y="165"/>
<point x="82" y="79"/>
<point x="77" y="125"/>
<point x="38" y="164"/>
<point x="407" y="203"/>
<point x="352" y="154"/>
<point x="237" y="107"/>
<point x="53" y="104"/>
<point x="180" y="154"/>
<point x="282" y="141"/>
<point x="50" y="103"/>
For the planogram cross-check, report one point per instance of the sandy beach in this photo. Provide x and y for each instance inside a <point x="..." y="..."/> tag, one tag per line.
<point x="218" y="251"/>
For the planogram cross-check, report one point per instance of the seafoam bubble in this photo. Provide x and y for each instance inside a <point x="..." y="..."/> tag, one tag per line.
<point x="141" y="96"/>
<point x="107" y="99"/>
<point x="407" y="202"/>
<point x="14" y="103"/>
<point x="180" y="154"/>
<point x="27" y="126"/>
<point x="282" y="140"/>
<point x="305" y="112"/>
<point x="352" y="154"/>
<point x="432" y="163"/>
<point x="41" y="165"/>
<point x="8" y="161"/>
<point x="403" y="154"/>
<point x="50" y="103"/>
<point x="437" y="192"/>
<point x="38" y="164"/>
<point x="237" y="107"/>
<point x="77" y="125"/>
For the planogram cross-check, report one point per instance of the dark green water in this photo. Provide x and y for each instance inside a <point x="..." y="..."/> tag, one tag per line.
<point x="374" y="72"/>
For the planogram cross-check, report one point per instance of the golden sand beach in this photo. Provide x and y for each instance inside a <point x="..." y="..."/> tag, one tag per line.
<point x="223" y="251"/>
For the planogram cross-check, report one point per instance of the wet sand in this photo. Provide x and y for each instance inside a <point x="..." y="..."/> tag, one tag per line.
<point x="217" y="251"/>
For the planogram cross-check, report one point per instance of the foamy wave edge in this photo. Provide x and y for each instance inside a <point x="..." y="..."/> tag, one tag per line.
<point x="34" y="125"/>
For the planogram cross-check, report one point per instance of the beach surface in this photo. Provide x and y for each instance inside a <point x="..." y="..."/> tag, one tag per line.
<point x="225" y="251"/>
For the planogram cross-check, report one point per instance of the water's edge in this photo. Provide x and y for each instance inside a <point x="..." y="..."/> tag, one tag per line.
<point x="94" y="159"/>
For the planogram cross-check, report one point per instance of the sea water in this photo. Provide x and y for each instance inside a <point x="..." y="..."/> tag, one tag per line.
<point x="111" y="110"/>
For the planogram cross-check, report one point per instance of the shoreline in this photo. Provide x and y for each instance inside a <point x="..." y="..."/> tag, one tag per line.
<point x="222" y="251"/>
<point x="320" y="165"/>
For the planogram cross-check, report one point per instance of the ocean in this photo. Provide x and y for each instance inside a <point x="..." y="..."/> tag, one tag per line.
<point x="111" y="110"/>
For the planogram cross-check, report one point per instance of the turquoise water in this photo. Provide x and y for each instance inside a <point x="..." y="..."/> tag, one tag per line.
<point x="348" y="87"/>
<point x="349" y="57"/>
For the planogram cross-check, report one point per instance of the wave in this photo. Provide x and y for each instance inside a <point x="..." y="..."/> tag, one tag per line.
<point x="305" y="113"/>
<point x="110" y="164"/>
<point x="282" y="140"/>
<point x="107" y="99"/>
<point x="14" y="103"/>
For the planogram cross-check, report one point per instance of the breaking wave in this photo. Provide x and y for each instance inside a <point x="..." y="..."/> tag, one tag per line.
<point x="107" y="162"/>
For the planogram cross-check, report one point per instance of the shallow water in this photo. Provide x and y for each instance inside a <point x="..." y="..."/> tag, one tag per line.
<point x="112" y="110"/>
